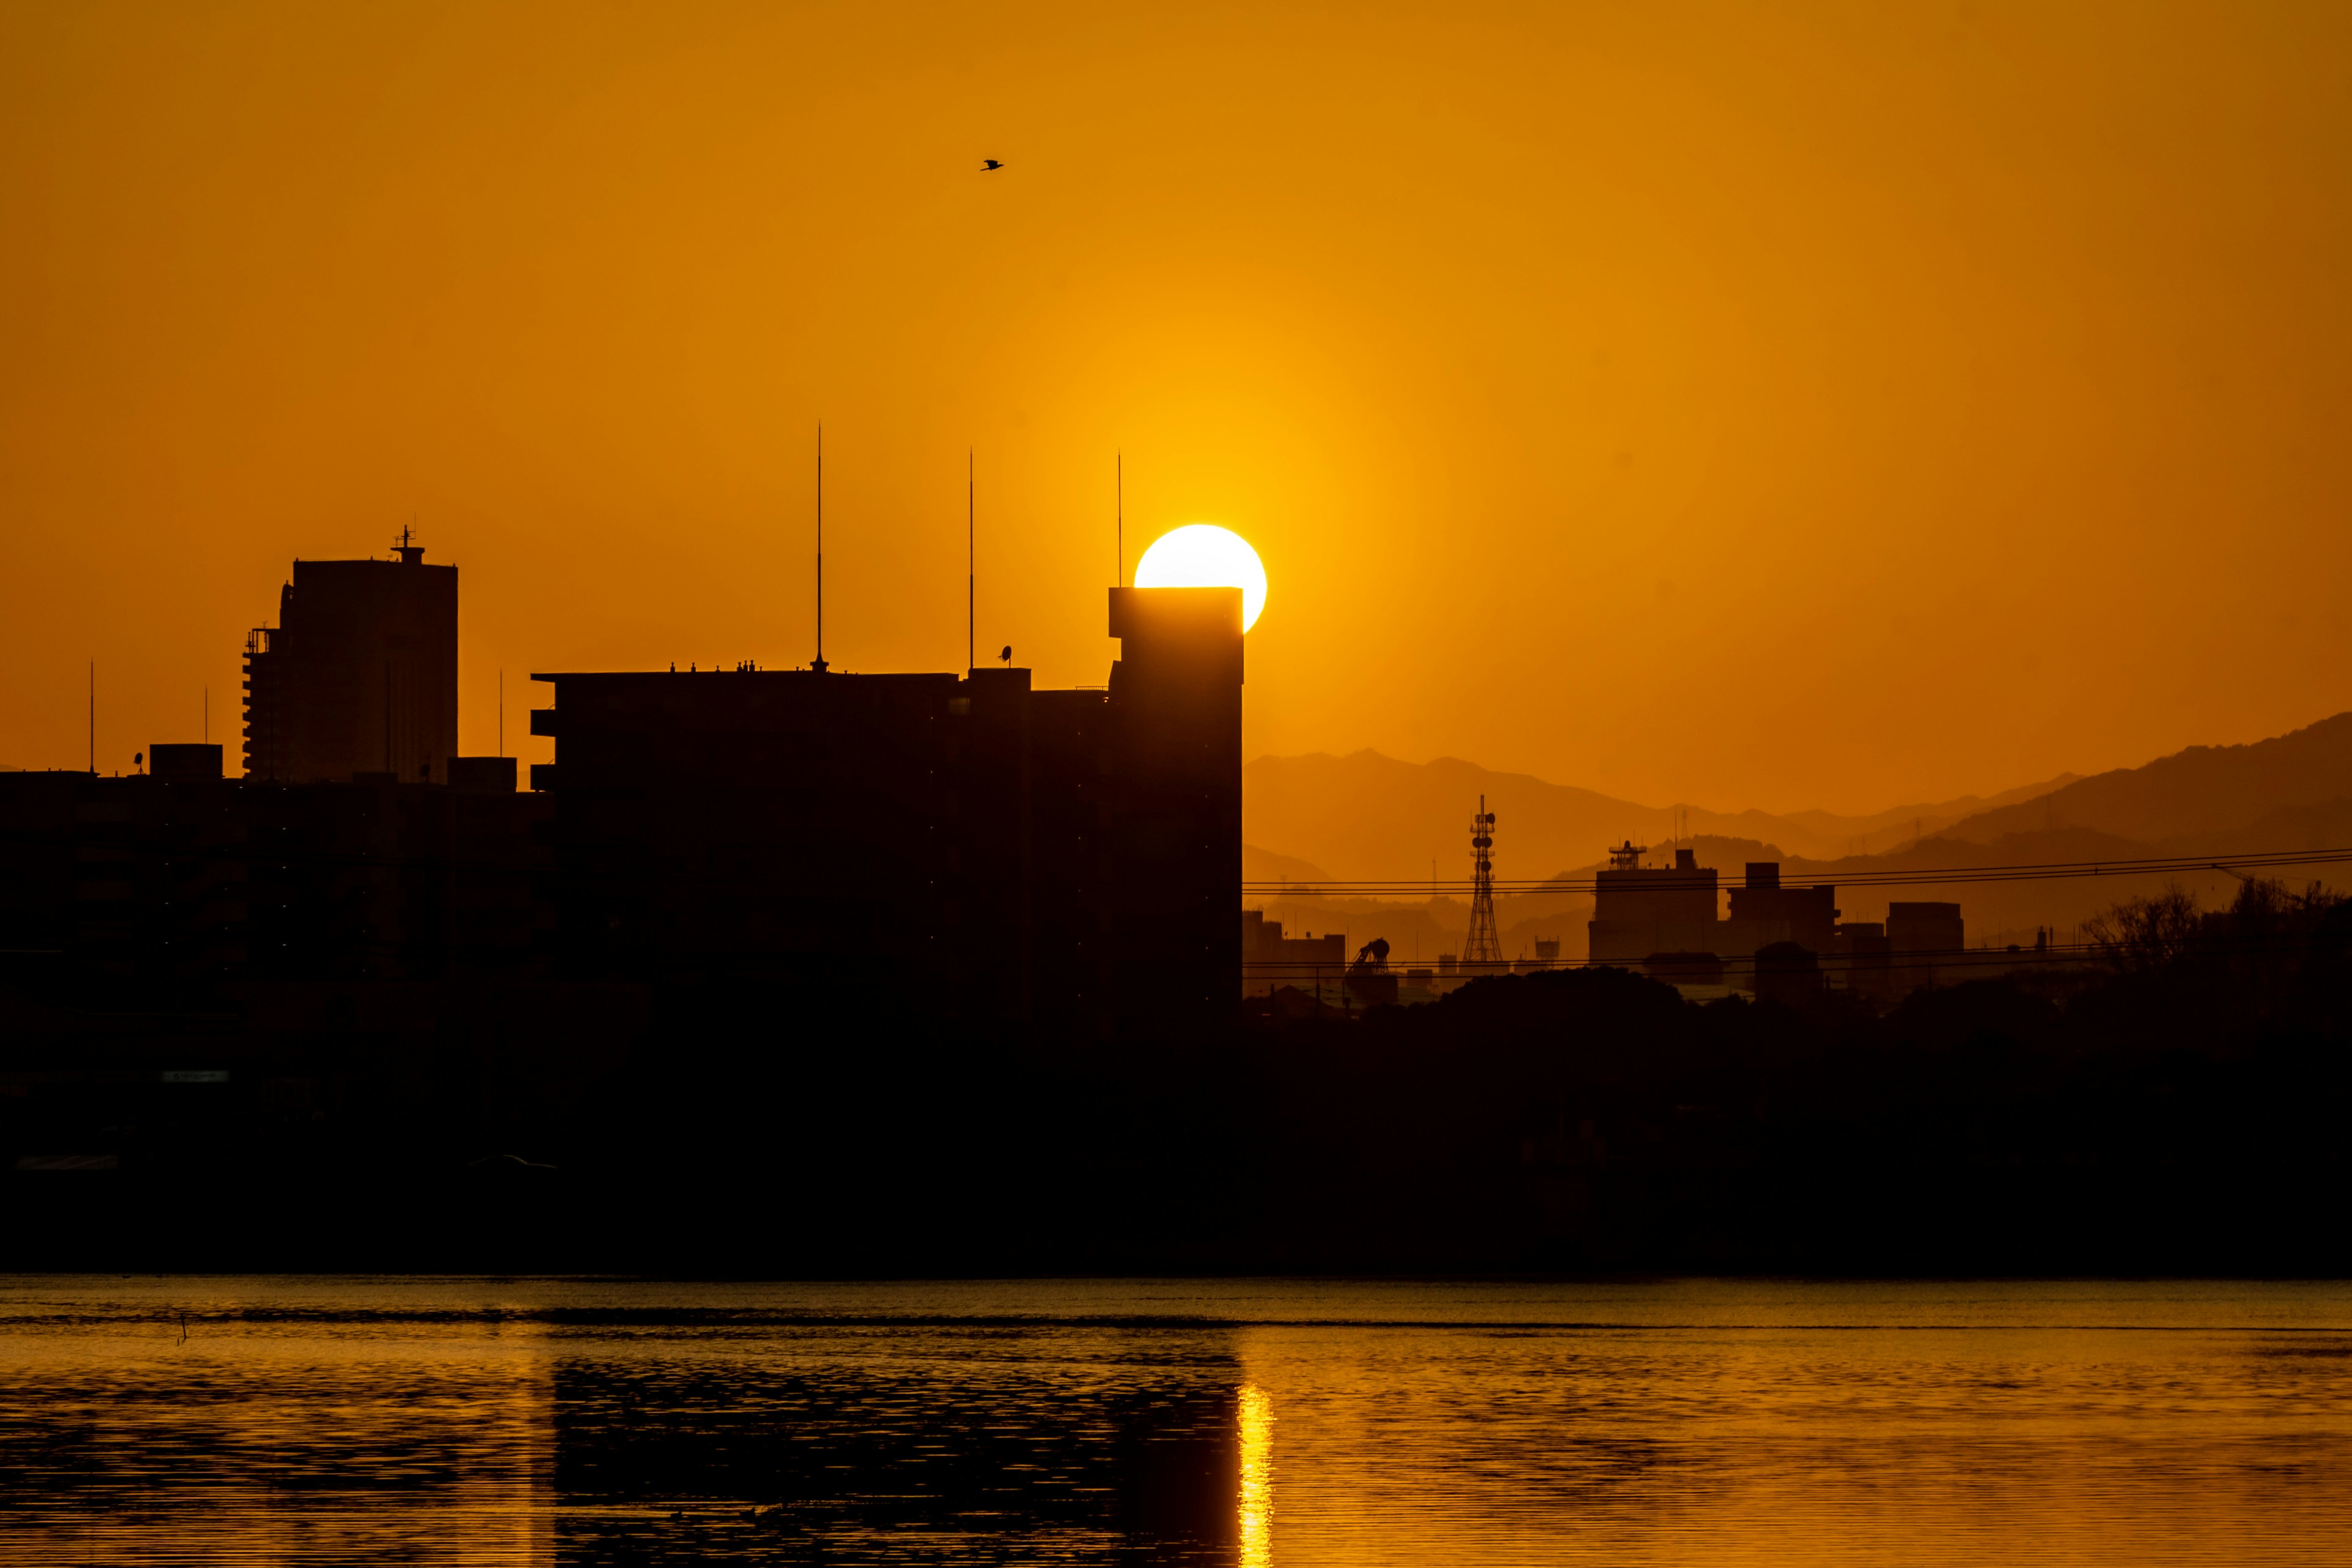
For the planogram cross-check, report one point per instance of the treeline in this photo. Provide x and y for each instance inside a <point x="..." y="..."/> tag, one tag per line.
<point x="2180" y="1104"/>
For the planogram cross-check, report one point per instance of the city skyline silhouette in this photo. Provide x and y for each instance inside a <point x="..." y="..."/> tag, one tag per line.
<point x="1231" y="785"/>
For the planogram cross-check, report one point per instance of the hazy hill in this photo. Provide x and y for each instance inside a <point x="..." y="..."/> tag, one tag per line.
<point x="2203" y="790"/>
<point x="1265" y="866"/>
<point x="1366" y="816"/>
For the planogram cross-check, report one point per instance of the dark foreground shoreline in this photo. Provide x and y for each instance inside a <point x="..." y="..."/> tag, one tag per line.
<point x="2183" y="1107"/>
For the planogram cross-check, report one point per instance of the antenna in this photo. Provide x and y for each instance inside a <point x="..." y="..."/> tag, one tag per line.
<point x="971" y="561"/>
<point x="502" y="710"/>
<point x="208" y="715"/>
<point x="1119" y="506"/>
<point x="819" y="665"/>
<point x="93" y="718"/>
<point x="1484" y="944"/>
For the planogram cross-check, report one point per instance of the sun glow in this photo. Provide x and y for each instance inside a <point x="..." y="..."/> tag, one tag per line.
<point x="1203" y="555"/>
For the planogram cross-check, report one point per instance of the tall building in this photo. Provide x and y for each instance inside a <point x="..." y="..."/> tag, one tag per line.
<point x="1174" y="768"/>
<point x="950" y="846"/>
<point x="360" y="674"/>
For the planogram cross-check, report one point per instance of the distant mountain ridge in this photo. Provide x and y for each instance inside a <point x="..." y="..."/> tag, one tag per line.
<point x="2200" y="790"/>
<point x="1265" y="866"/>
<point x="1367" y="816"/>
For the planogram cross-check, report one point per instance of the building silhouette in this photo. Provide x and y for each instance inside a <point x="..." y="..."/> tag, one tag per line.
<point x="919" y="847"/>
<point x="965" y="847"/>
<point x="1764" y="912"/>
<point x="1640" y="910"/>
<point x="360" y="674"/>
<point x="1172" y="756"/>
<point x="1665" y="921"/>
<point x="1271" y="959"/>
<point x="355" y="850"/>
<point x="183" y="759"/>
<point x="1922" y="938"/>
<point x="178" y="889"/>
<point x="1863" y="959"/>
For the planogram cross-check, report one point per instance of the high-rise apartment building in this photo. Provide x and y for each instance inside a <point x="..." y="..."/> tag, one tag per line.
<point x="937" y="844"/>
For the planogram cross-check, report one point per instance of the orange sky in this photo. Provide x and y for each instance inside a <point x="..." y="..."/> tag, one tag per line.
<point x="1778" y="405"/>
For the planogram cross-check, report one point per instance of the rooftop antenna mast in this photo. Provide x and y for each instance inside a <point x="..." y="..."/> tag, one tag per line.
<point x="1119" y="507"/>
<point x="1485" y="943"/>
<point x="970" y="563"/>
<point x="819" y="665"/>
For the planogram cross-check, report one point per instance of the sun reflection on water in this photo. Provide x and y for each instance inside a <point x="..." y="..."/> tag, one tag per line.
<point x="1257" y="1478"/>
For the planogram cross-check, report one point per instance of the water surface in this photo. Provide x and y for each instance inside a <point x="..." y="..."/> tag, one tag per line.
<point x="462" y="1421"/>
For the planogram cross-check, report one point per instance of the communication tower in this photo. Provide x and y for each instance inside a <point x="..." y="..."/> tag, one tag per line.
<point x="1485" y="943"/>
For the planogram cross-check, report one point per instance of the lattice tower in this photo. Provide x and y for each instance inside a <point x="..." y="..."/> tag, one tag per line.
<point x="1485" y="943"/>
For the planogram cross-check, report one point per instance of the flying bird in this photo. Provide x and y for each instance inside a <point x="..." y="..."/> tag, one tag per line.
<point x="990" y="165"/>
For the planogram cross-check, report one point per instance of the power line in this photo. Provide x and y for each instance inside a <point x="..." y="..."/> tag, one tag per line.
<point x="1891" y="878"/>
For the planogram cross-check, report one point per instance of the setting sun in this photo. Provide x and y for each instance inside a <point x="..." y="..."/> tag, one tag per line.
<point x="1203" y="555"/>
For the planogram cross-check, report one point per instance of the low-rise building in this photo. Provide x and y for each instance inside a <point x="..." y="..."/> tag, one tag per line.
<point x="1650" y="916"/>
<point x="1271" y="959"/>
<point x="1640" y="910"/>
<point x="1924" y="938"/>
